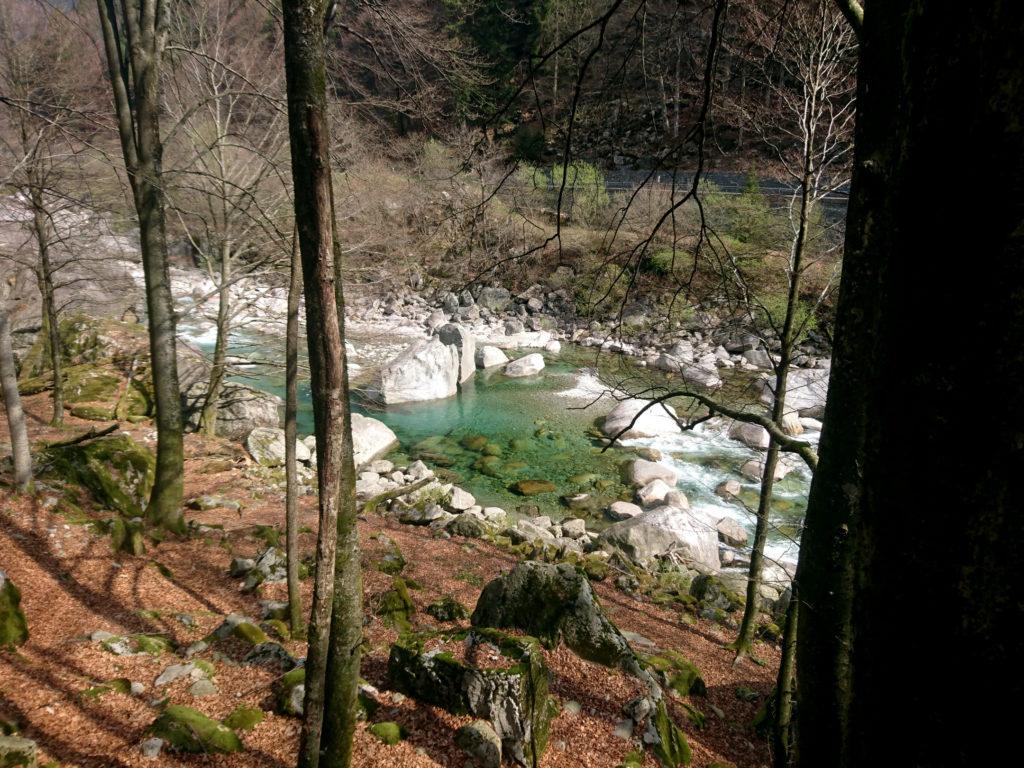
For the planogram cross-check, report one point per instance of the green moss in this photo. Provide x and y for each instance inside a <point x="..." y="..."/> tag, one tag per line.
<point x="634" y="759"/>
<point x="269" y="534"/>
<point x="244" y="718"/>
<point x="188" y="730"/>
<point x="92" y="412"/>
<point x="205" y="667"/>
<point x="117" y="471"/>
<point x="388" y="732"/>
<point x="127" y="536"/>
<point x="596" y="568"/>
<point x="447" y="609"/>
<point x="289" y="692"/>
<point x="672" y="748"/>
<point x="13" y="627"/>
<point x="16" y="752"/>
<point x="680" y="674"/>
<point x="279" y="628"/>
<point x="152" y="644"/>
<point x="118" y="685"/>
<point x="250" y="633"/>
<point x="396" y="606"/>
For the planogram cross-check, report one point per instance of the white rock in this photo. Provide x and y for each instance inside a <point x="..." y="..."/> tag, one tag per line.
<point x="642" y="472"/>
<point x="489" y="356"/>
<point x="751" y="435"/>
<point x="426" y="370"/>
<point x="370" y="439"/>
<point x="657" y="421"/>
<point x="692" y="536"/>
<point x="553" y="347"/>
<point x="623" y="510"/>
<point x="731" y="532"/>
<point x="266" y="445"/>
<point x="459" y="337"/>
<point x="461" y="500"/>
<point x="653" y="493"/>
<point x="525" y="366"/>
<point x="677" y="499"/>
<point x="574" y="528"/>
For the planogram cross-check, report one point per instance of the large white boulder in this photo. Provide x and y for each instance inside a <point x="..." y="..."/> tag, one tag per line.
<point x="657" y="421"/>
<point x="689" y="372"/>
<point x="528" y="365"/>
<point x="653" y="493"/>
<point x="370" y="439"/>
<point x="266" y="445"/>
<point x="751" y="435"/>
<point x="689" y="535"/>
<point x="488" y="356"/>
<point x="462" y="339"/>
<point x="806" y="390"/>
<point x="426" y="370"/>
<point x="642" y="472"/>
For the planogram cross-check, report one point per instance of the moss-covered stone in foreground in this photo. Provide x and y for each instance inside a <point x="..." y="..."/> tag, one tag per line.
<point x="668" y="742"/>
<point x="16" y="752"/>
<point x="244" y="718"/>
<point x="396" y="606"/>
<point x="188" y="730"/>
<point x="388" y="732"/>
<point x="117" y="471"/>
<point x="13" y="627"/>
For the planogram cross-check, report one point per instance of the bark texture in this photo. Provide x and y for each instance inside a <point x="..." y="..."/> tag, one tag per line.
<point x="909" y="572"/>
<point x="12" y="406"/>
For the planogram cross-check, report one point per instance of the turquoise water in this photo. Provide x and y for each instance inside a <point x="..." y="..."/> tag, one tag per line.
<point x="499" y="431"/>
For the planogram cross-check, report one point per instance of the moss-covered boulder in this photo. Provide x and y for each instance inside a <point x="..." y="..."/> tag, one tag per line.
<point x="188" y="730"/>
<point x="396" y="607"/>
<point x="447" y="609"/>
<point x="513" y="699"/>
<point x="290" y="692"/>
<point x="16" y="752"/>
<point x="117" y="471"/>
<point x="554" y="603"/>
<point x="678" y="673"/>
<point x="666" y="739"/>
<point x="480" y="742"/>
<point x="388" y="732"/>
<point x="244" y="718"/>
<point x="13" y="627"/>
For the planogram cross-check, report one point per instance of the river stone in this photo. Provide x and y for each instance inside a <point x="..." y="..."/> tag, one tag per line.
<point x="553" y="347"/>
<point x="495" y="299"/>
<point x="758" y="358"/>
<point x="426" y="370"/>
<point x="751" y="435"/>
<point x="653" y="493"/>
<point x="623" y="510"/>
<point x="16" y="752"/>
<point x="676" y="498"/>
<point x="490" y="356"/>
<point x="533" y="487"/>
<point x="657" y="421"/>
<point x="463" y="340"/>
<point x="460" y="500"/>
<point x="574" y="528"/>
<point x="240" y="408"/>
<point x="641" y="472"/>
<point x="806" y="390"/>
<point x="370" y="438"/>
<point x="525" y="531"/>
<point x="468" y="524"/>
<point x="266" y="445"/>
<point x="754" y="470"/>
<point x="480" y="742"/>
<point x="729" y="489"/>
<point x="663" y="530"/>
<point x="13" y="627"/>
<point x="690" y="372"/>
<point x="528" y="365"/>
<point x="554" y="603"/>
<point x="731" y="532"/>
<point x="791" y="425"/>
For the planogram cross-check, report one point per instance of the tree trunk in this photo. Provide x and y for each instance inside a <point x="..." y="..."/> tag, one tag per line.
<point x="218" y="369"/>
<point x="782" y="724"/>
<point x="291" y="404"/>
<point x="332" y="665"/>
<point x="910" y="566"/>
<point x="134" y="72"/>
<point x="12" y="405"/>
<point x="44" y="276"/>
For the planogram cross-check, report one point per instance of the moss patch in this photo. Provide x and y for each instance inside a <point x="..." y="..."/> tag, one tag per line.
<point x="396" y="606"/>
<point x="188" y="730"/>
<point x="117" y="471"/>
<point x="13" y="627"/>
<point x="388" y="732"/>
<point x="244" y="718"/>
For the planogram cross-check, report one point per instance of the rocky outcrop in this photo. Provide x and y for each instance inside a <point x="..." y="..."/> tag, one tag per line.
<point x="657" y="421"/>
<point x="117" y="471"/>
<point x="663" y="531"/>
<point x="426" y="370"/>
<point x="240" y="409"/>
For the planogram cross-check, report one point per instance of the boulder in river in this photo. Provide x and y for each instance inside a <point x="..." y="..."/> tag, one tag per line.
<point x="806" y="390"/>
<point x="751" y="435"/>
<point x="489" y="356"/>
<point x="657" y="421"/>
<point x="463" y="340"/>
<point x="426" y="370"/>
<point x="528" y="365"/>
<point x="664" y="530"/>
<point x="371" y="438"/>
<point x="641" y="472"/>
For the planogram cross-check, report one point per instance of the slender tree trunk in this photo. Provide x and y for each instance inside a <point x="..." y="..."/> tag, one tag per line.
<point x="44" y="275"/>
<point x="782" y="724"/>
<point x="910" y="590"/>
<point x="12" y="405"/>
<point x="218" y="369"/>
<point x="335" y="633"/>
<point x="291" y="404"/>
<point x="133" y="65"/>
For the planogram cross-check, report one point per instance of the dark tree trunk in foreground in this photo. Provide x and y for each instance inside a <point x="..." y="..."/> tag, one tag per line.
<point x="335" y="632"/>
<point x="20" y="453"/>
<point x="291" y="407"/>
<point x="909" y="573"/>
<point x="134" y="36"/>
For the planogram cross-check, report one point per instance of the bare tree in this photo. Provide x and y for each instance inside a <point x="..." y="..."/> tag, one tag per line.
<point x="134" y="38"/>
<point x="21" y="455"/>
<point x="335" y="632"/>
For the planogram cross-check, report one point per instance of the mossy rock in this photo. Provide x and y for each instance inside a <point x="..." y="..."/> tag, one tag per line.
<point x="671" y="747"/>
<point x="396" y="606"/>
<point x="127" y="535"/>
<point x="388" y="732"/>
<point x="712" y="593"/>
<point x="447" y="609"/>
<point x="532" y="487"/>
<point x="13" y="627"/>
<point x="278" y="628"/>
<point x="249" y="633"/>
<point x="680" y="674"/>
<point x="154" y="645"/>
<point x="118" y="685"/>
<point x="92" y="412"/>
<point x="596" y="568"/>
<point x="16" y="752"/>
<point x="117" y="471"/>
<point x="474" y="443"/>
<point x="290" y="691"/>
<point x="188" y="730"/>
<point x="244" y="718"/>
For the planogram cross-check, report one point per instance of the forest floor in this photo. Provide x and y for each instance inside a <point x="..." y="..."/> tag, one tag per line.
<point x="72" y="585"/>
